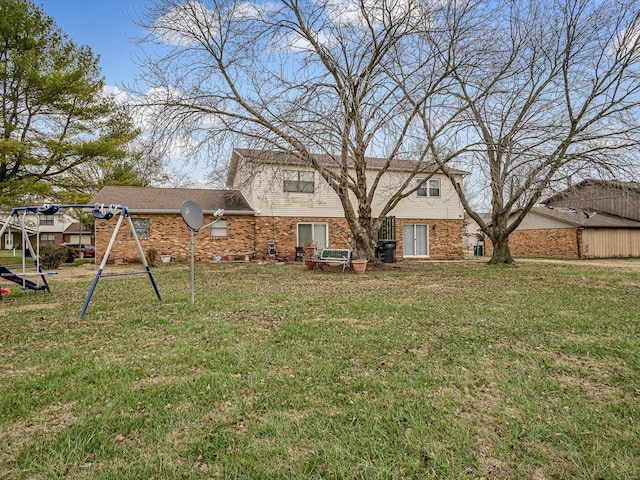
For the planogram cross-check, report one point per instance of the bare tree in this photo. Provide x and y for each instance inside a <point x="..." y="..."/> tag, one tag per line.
<point x="546" y="90"/>
<point x="305" y="78"/>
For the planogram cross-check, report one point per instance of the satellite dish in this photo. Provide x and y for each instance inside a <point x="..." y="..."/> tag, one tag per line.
<point x="191" y="214"/>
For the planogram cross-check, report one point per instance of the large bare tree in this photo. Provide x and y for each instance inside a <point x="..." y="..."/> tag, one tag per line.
<point x="546" y="90"/>
<point x="306" y="77"/>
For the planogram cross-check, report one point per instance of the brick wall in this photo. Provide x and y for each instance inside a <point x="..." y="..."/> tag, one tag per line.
<point x="284" y="231"/>
<point x="445" y="238"/>
<point x="169" y="235"/>
<point x="553" y="242"/>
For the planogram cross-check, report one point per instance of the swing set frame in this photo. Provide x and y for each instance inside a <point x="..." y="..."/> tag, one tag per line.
<point x="99" y="211"/>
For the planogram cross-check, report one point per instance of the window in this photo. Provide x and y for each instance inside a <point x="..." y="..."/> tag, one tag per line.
<point x="415" y="240"/>
<point x="313" y="232"/>
<point x="219" y="229"/>
<point x="430" y="189"/>
<point x="47" y="239"/>
<point x="298" y="181"/>
<point x="434" y="187"/>
<point x="142" y="226"/>
<point x="46" y="220"/>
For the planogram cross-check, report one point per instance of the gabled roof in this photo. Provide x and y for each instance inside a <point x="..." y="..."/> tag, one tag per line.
<point x="610" y="184"/>
<point x="585" y="218"/>
<point x="75" y="227"/>
<point x="169" y="200"/>
<point x="285" y="158"/>
<point x="15" y="226"/>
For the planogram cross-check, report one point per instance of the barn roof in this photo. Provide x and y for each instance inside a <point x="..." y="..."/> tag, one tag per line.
<point x="610" y="184"/>
<point x="586" y="218"/>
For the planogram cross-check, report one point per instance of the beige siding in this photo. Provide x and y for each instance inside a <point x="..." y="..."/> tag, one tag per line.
<point x="610" y="242"/>
<point x="265" y="194"/>
<point x="533" y="221"/>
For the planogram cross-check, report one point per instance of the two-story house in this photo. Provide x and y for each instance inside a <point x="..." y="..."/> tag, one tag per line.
<point x="51" y="229"/>
<point x="294" y="205"/>
<point x="271" y="197"/>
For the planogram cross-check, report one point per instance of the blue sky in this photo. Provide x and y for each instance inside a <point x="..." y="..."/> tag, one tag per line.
<point x="106" y="26"/>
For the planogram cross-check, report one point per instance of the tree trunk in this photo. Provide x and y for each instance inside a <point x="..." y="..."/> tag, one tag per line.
<point x="501" y="251"/>
<point x="364" y="247"/>
<point x="363" y="237"/>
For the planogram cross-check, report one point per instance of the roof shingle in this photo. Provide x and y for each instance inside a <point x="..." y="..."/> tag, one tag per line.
<point x="169" y="200"/>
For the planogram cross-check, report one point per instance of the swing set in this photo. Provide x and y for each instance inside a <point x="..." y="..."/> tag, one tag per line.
<point x="99" y="211"/>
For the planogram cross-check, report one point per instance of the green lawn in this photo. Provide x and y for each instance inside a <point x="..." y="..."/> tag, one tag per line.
<point x="432" y="370"/>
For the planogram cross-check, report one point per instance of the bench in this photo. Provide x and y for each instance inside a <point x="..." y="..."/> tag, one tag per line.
<point x="334" y="256"/>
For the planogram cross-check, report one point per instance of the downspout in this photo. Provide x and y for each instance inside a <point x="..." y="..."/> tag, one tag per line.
<point x="255" y="235"/>
<point x="579" y="241"/>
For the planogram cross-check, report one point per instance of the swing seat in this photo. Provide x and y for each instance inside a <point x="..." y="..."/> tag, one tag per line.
<point x="47" y="209"/>
<point x="101" y="215"/>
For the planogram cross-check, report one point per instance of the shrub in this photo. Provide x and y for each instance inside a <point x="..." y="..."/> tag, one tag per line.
<point x="70" y="255"/>
<point x="51" y="256"/>
<point x="152" y="256"/>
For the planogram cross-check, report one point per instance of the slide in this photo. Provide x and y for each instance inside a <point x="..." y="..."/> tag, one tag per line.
<point x="9" y="275"/>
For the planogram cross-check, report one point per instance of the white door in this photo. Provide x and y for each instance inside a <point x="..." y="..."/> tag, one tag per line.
<point x="415" y="240"/>
<point x="8" y="241"/>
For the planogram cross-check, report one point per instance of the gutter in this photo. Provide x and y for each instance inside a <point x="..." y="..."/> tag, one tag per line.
<point x="177" y="212"/>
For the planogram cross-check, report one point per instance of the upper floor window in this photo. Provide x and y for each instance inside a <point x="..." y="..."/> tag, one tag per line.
<point x="430" y="189"/>
<point x="298" y="181"/>
<point x="46" y="220"/>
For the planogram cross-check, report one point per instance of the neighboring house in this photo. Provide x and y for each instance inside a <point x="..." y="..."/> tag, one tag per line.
<point x="294" y="205"/>
<point x="473" y="236"/>
<point x="156" y="215"/>
<point x="592" y="219"/>
<point x="51" y="229"/>
<point x="79" y="233"/>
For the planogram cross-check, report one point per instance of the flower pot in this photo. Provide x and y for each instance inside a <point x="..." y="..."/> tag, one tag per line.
<point x="309" y="263"/>
<point x="231" y="258"/>
<point x="165" y="258"/>
<point x="359" y="265"/>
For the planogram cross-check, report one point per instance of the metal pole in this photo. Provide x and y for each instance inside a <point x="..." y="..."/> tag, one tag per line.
<point x="102" y="265"/>
<point x="193" y="268"/>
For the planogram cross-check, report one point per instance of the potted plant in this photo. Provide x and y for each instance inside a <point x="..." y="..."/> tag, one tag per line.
<point x="359" y="265"/>
<point x="309" y="249"/>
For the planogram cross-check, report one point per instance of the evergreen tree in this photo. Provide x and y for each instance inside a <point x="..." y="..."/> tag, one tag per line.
<point x="57" y="123"/>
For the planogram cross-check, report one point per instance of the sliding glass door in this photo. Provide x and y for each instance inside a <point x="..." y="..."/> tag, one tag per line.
<point x="415" y="240"/>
